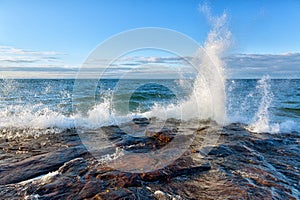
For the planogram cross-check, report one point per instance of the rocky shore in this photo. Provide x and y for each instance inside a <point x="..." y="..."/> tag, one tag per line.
<point x="241" y="165"/>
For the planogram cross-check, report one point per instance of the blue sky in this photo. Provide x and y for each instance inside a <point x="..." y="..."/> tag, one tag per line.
<point x="38" y="38"/>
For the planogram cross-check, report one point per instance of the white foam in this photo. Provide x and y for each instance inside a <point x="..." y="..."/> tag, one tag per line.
<point x="42" y="179"/>
<point x="39" y="117"/>
<point x="100" y="115"/>
<point x="33" y="116"/>
<point x="110" y="157"/>
<point x="289" y="126"/>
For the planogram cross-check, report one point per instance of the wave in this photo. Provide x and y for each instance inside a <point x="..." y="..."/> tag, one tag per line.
<point x="33" y="122"/>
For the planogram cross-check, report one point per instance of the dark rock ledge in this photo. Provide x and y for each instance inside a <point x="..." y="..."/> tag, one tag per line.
<point x="242" y="165"/>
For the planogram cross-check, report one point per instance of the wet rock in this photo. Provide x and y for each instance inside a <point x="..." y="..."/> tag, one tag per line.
<point x="241" y="165"/>
<point x="38" y="165"/>
<point x="150" y="141"/>
<point x="164" y="136"/>
<point x="220" y="151"/>
<point x="114" y="194"/>
<point x="75" y="167"/>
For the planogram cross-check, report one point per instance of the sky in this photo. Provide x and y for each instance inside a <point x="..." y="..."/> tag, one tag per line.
<point x="52" y="39"/>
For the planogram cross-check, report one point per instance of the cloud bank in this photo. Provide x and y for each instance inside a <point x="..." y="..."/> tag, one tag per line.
<point x="285" y="65"/>
<point x="19" y="63"/>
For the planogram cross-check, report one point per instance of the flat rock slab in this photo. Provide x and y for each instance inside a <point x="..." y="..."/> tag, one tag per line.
<point x="83" y="179"/>
<point x="38" y="165"/>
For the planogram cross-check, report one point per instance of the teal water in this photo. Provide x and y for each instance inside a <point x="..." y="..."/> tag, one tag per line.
<point x="42" y="104"/>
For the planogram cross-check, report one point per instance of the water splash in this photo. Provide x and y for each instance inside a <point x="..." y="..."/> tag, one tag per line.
<point x="208" y="94"/>
<point x="261" y="121"/>
<point x="211" y="65"/>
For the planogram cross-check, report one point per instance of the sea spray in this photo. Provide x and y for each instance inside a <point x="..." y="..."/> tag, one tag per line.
<point x="211" y="65"/>
<point x="208" y="93"/>
<point x="261" y="121"/>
